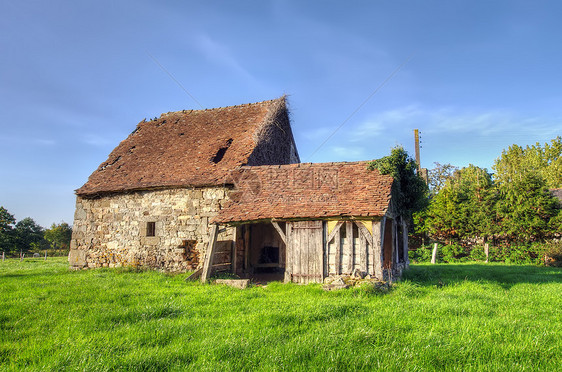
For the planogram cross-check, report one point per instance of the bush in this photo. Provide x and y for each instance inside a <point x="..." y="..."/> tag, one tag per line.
<point x="552" y="253"/>
<point x="421" y="254"/>
<point x="452" y="253"/>
<point x="549" y="253"/>
<point x="477" y="253"/>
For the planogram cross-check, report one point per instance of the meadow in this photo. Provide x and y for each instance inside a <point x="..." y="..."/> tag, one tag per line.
<point x="485" y="317"/>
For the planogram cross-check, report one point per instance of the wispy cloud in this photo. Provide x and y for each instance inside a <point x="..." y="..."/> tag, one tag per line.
<point x="23" y="140"/>
<point x="448" y="120"/>
<point x="221" y="55"/>
<point x="97" y="140"/>
<point x="348" y="152"/>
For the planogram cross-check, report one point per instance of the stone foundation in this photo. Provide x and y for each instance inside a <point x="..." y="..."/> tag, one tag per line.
<point x="116" y="230"/>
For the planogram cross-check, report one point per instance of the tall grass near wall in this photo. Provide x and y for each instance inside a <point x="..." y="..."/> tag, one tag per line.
<point x="440" y="317"/>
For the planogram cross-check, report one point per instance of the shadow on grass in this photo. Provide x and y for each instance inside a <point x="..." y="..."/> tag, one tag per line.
<point x="503" y="275"/>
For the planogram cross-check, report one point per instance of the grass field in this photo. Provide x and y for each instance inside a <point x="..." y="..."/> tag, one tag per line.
<point x="441" y="317"/>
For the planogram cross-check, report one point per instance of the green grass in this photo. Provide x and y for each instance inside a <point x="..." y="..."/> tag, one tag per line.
<point x="441" y="317"/>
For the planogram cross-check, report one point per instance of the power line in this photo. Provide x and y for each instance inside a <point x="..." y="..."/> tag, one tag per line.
<point x="174" y="79"/>
<point x="363" y="103"/>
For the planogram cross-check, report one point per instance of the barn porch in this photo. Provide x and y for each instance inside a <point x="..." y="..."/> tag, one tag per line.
<point x="309" y="251"/>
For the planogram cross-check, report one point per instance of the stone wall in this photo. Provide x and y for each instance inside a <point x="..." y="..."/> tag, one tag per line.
<point x="111" y="231"/>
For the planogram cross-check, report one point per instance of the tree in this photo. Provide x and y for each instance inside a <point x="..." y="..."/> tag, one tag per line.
<point x="7" y="222"/>
<point x="59" y="235"/>
<point x="463" y="208"/>
<point x="28" y="235"/>
<point x="543" y="161"/>
<point x="526" y="210"/>
<point x="409" y="190"/>
<point x="439" y="175"/>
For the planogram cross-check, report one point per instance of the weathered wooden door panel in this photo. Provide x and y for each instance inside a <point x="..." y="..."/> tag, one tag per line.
<point x="306" y="241"/>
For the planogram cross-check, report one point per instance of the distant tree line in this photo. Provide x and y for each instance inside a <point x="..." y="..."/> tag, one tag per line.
<point x="512" y="206"/>
<point x="27" y="236"/>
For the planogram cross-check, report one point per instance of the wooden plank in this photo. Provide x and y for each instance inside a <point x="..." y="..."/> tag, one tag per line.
<point x="337" y="258"/>
<point x="303" y="243"/>
<point x="247" y="232"/>
<point x="362" y="253"/>
<point x="280" y="231"/>
<point x="319" y="245"/>
<point x="324" y="251"/>
<point x="210" y="252"/>
<point x="335" y="231"/>
<point x="194" y="275"/>
<point x="349" y="245"/>
<point x="296" y="251"/>
<point x="289" y="252"/>
<point x="377" y="249"/>
<point x="235" y="250"/>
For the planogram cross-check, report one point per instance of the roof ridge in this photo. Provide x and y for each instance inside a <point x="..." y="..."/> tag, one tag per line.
<point x="226" y="107"/>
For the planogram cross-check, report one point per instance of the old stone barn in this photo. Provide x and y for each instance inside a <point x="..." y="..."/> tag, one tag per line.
<point x="219" y="182"/>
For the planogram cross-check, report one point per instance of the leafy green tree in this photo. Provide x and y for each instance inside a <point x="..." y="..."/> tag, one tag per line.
<point x="410" y="191"/>
<point x="544" y="161"/>
<point x="59" y="235"/>
<point x="439" y="175"/>
<point x="526" y="210"/>
<point x="28" y="235"/>
<point x="7" y="222"/>
<point x="463" y="208"/>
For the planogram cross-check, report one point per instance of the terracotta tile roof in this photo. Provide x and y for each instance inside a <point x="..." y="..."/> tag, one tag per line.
<point x="184" y="148"/>
<point x="306" y="190"/>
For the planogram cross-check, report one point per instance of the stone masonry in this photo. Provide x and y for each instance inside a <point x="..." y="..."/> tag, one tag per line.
<point x="114" y="230"/>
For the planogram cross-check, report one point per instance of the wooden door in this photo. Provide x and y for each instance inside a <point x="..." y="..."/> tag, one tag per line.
<point x="306" y="250"/>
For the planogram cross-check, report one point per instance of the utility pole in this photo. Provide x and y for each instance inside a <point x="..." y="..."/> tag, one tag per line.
<point x="417" y="139"/>
<point x="421" y="172"/>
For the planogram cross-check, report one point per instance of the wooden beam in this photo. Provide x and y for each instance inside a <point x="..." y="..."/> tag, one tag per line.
<point x="363" y="253"/>
<point x="364" y="231"/>
<point x="337" y="256"/>
<point x="325" y="251"/>
<point x="234" y="249"/>
<point x="377" y="248"/>
<point x="280" y="231"/>
<point x="349" y="245"/>
<point x="289" y="253"/>
<point x="210" y="253"/>
<point x="321" y="236"/>
<point x="335" y="231"/>
<point x="247" y="237"/>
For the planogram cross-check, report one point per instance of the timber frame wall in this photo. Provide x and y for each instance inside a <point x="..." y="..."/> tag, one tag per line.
<point x="316" y="249"/>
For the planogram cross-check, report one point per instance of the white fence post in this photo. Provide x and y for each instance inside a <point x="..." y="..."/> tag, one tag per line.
<point x="434" y="254"/>
<point x="487" y="251"/>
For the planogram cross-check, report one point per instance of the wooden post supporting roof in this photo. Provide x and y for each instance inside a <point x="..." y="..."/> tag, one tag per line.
<point x="348" y="246"/>
<point x="280" y="231"/>
<point x="208" y="264"/>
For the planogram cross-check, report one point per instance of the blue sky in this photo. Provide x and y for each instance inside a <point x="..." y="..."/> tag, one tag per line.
<point x="77" y="76"/>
